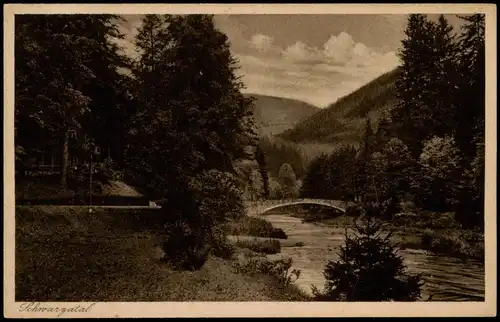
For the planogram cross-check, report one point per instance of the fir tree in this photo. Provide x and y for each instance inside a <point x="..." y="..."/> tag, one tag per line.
<point x="278" y="152"/>
<point x="363" y="174"/>
<point x="314" y="184"/>
<point x="288" y="180"/>
<point x="384" y="132"/>
<point x="339" y="173"/>
<point x="369" y="267"/>
<point x="443" y="92"/>
<point x="412" y="115"/>
<point x="112" y="103"/>
<point x="195" y="119"/>
<point x="471" y="108"/>
<point x="261" y="160"/>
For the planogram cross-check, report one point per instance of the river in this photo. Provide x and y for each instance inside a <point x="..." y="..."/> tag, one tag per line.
<point x="447" y="279"/>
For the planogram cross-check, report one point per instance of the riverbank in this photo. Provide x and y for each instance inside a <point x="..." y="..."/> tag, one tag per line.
<point x="439" y="234"/>
<point x="445" y="278"/>
<point x="68" y="254"/>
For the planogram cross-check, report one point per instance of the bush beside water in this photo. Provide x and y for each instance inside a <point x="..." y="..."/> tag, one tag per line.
<point x="442" y="234"/>
<point x="427" y="220"/>
<point x="220" y="245"/>
<point x="257" y="227"/>
<point x="462" y="244"/>
<point x="184" y="248"/>
<point x="271" y="246"/>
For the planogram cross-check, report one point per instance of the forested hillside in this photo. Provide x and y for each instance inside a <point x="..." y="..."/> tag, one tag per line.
<point x="342" y="121"/>
<point x="274" y="115"/>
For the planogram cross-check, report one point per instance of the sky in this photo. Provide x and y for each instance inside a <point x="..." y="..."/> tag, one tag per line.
<point x="313" y="58"/>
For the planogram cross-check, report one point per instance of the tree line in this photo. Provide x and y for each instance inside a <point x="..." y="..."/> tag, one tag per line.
<point x="428" y="148"/>
<point x="282" y="166"/>
<point x="174" y="118"/>
<point x="69" y="93"/>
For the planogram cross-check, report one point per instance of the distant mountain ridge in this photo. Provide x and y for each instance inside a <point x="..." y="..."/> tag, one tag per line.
<point x="274" y="115"/>
<point x="342" y="121"/>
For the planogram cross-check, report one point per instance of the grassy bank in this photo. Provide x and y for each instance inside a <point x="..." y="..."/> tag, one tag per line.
<point x="441" y="234"/>
<point x="463" y="244"/>
<point x="68" y="254"/>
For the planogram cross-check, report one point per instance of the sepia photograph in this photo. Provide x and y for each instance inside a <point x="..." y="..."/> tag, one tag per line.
<point x="230" y="156"/>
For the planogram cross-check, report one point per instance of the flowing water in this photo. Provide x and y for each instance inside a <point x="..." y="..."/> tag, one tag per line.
<point x="447" y="279"/>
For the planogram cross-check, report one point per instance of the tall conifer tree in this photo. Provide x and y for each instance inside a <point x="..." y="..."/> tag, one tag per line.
<point x="411" y="116"/>
<point x="196" y="119"/>
<point x="471" y="112"/>
<point x="261" y="160"/>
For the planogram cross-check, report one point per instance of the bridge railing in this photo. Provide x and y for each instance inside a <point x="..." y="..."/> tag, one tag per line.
<point x="265" y="205"/>
<point x="286" y="201"/>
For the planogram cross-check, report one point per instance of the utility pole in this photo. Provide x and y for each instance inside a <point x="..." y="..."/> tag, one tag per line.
<point x="375" y="188"/>
<point x="97" y="152"/>
<point x="90" y="182"/>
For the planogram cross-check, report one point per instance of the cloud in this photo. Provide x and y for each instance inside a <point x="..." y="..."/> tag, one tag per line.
<point x="316" y="74"/>
<point x="340" y="50"/>
<point x="262" y="43"/>
<point x="312" y="74"/>
<point x="314" y="84"/>
<point x="300" y="52"/>
<point x="302" y="86"/>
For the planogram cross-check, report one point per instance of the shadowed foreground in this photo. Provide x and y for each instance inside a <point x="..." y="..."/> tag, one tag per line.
<point x="112" y="255"/>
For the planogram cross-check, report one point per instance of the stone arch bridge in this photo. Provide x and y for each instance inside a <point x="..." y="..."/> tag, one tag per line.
<point x="257" y="208"/>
